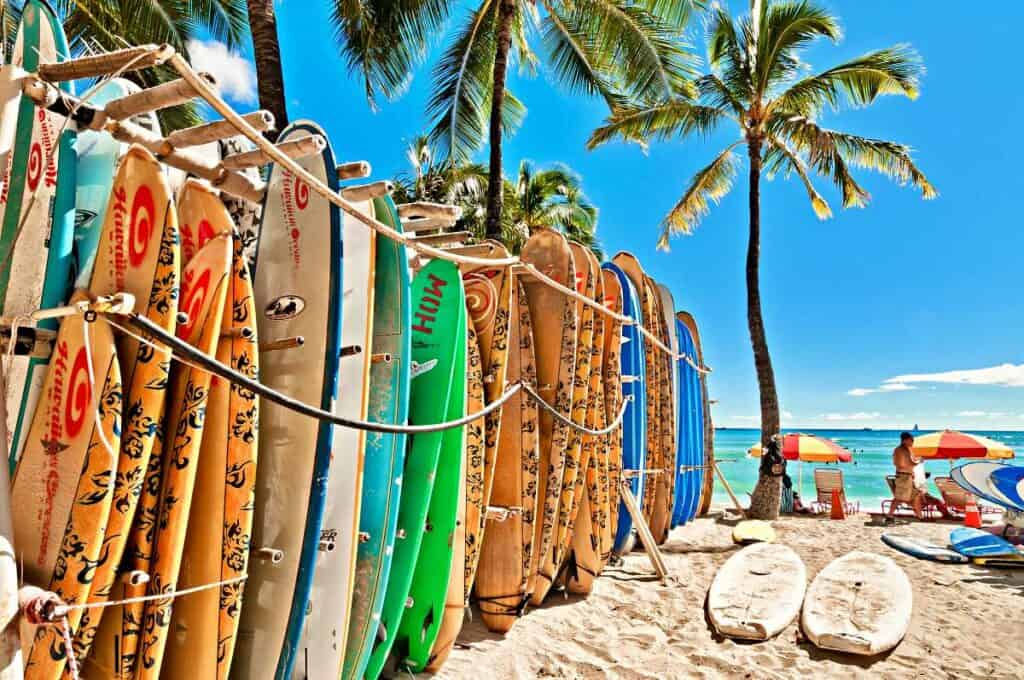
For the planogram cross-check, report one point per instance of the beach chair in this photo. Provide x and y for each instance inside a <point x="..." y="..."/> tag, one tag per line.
<point x="955" y="498"/>
<point x="929" y="510"/>
<point x="826" y="480"/>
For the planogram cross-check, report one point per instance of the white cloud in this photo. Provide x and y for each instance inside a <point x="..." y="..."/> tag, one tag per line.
<point x="884" y="387"/>
<point x="860" y="392"/>
<point x="236" y="75"/>
<point x="788" y="415"/>
<point x="1004" y="375"/>
<point x="842" y="417"/>
<point x="991" y="415"/>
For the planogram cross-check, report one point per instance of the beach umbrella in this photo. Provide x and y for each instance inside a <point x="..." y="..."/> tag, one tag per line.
<point x="951" y="444"/>
<point x="808" y="447"/>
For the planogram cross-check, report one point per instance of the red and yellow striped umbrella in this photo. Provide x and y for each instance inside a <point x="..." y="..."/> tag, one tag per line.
<point x="953" y="444"/>
<point x="809" y="447"/>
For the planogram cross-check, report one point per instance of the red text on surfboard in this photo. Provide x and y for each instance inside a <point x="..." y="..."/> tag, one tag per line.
<point x="194" y="296"/>
<point x="426" y="313"/>
<point x="295" y="198"/>
<point x="41" y="153"/>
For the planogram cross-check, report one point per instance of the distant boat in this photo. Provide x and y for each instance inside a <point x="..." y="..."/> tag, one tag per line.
<point x="916" y="428"/>
<point x="867" y="429"/>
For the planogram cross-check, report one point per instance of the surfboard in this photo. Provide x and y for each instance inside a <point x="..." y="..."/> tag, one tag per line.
<point x="488" y="300"/>
<point x="385" y="453"/>
<point x="1001" y="562"/>
<point x="204" y="625"/>
<point x="11" y="660"/>
<point x="753" y="531"/>
<point x="612" y="394"/>
<point x="424" y="612"/>
<point x="298" y="288"/>
<point x="665" y="499"/>
<point x="859" y="603"/>
<point x="503" y="577"/>
<point x="66" y="477"/>
<point x="583" y="562"/>
<point x="704" y="429"/>
<point x="245" y="215"/>
<point x="38" y="204"/>
<point x="138" y="253"/>
<point x="634" y="422"/>
<point x="690" y="430"/>
<point x="977" y="543"/>
<point x="921" y="549"/>
<point x="573" y="467"/>
<point x="205" y="283"/>
<point x="325" y="633"/>
<point x="471" y="502"/>
<point x="1009" y="481"/>
<point x="555" y="323"/>
<point x="974" y="476"/>
<point x="679" y="448"/>
<point x="438" y="304"/>
<point x="757" y="592"/>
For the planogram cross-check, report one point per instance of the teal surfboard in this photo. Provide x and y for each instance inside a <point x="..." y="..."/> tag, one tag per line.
<point x="421" y="620"/>
<point x="438" y="304"/>
<point x="34" y="232"/>
<point x="385" y="453"/>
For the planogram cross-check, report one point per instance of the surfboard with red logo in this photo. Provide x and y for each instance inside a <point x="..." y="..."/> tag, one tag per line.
<point x="205" y="283"/>
<point x="555" y="323"/>
<point x="298" y="287"/>
<point x="220" y="523"/>
<point x="137" y="252"/>
<point x="38" y="206"/>
<point x="64" y="483"/>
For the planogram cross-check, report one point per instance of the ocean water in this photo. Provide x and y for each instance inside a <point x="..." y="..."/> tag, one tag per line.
<point x="864" y="477"/>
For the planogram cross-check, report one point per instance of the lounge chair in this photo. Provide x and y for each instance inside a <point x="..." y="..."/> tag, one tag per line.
<point x="955" y="498"/>
<point x="929" y="510"/>
<point x="826" y="480"/>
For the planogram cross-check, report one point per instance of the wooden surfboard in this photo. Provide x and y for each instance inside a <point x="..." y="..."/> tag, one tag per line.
<point x="584" y="564"/>
<point x="438" y="304"/>
<point x="64" y="481"/>
<point x="38" y="205"/>
<point x="555" y="323"/>
<point x="667" y="409"/>
<point x="706" y="432"/>
<point x="11" y="660"/>
<point x="506" y="556"/>
<point x="612" y="393"/>
<point x="298" y="288"/>
<point x="140" y="213"/>
<point x="488" y="300"/>
<point x="385" y="453"/>
<point x="204" y="624"/>
<point x="472" y="494"/>
<point x="325" y="633"/>
<point x="205" y="282"/>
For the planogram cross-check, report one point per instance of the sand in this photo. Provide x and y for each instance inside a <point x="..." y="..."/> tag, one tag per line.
<point x="632" y="626"/>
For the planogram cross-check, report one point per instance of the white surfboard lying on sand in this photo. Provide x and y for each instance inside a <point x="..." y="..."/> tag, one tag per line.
<point x="757" y="592"/>
<point x="858" y="604"/>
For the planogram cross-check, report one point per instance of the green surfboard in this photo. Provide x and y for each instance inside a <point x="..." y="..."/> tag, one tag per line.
<point x="438" y="327"/>
<point x="425" y="606"/>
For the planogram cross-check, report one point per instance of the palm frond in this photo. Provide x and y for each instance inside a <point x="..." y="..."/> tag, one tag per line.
<point x="894" y="70"/>
<point x="571" y="55"/>
<point x="674" y="12"/>
<point x="727" y="56"/>
<point x="710" y="184"/>
<point x="226" y="20"/>
<point x="718" y="95"/>
<point x="676" y="117"/>
<point x="787" y="27"/>
<point x="527" y="19"/>
<point x="780" y="158"/>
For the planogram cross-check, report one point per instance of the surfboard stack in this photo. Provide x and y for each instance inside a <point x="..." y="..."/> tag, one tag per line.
<point x="309" y="549"/>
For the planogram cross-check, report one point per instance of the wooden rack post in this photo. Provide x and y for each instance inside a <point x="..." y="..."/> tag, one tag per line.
<point x="653" y="554"/>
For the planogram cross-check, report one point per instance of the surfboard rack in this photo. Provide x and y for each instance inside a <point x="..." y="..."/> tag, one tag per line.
<point x="367" y="192"/>
<point x="273" y="555"/>
<point x="301" y="147"/>
<point x="353" y="170"/>
<point x="122" y="61"/>
<point x="119" y="303"/>
<point x="646" y="538"/>
<point x="445" y="238"/>
<point x="498" y="513"/>
<point x="218" y="130"/>
<point x="283" y="343"/>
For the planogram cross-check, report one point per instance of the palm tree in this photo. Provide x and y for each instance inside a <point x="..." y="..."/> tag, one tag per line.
<point x="758" y="82"/>
<point x="104" y="25"/>
<point x="267" y="54"/>
<point x="552" y="199"/>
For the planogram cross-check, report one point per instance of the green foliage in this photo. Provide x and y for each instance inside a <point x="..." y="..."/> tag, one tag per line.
<point x="758" y="82"/>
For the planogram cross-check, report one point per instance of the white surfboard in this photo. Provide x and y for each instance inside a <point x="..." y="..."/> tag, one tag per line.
<point x="322" y="646"/>
<point x="757" y="592"/>
<point x="858" y="604"/>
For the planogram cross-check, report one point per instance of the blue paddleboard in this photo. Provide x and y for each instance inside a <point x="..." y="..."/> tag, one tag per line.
<point x="978" y="543"/>
<point x="974" y="477"/>
<point x="634" y="423"/>
<point x="684" y="426"/>
<point x="1008" y="480"/>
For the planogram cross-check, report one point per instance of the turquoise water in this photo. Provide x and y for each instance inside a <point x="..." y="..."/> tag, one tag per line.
<point x="864" y="477"/>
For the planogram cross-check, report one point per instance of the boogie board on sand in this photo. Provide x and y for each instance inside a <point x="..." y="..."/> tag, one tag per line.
<point x="757" y="592"/>
<point x="977" y="543"/>
<point x="921" y="549"/>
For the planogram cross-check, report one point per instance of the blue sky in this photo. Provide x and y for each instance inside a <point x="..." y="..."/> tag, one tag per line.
<point x="905" y="312"/>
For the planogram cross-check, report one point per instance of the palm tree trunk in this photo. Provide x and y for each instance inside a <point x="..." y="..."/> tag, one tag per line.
<point x="506" y="10"/>
<point x="267" y="55"/>
<point x="764" y="502"/>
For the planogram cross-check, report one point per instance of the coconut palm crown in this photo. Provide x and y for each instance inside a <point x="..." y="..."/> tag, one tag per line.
<point x="758" y="83"/>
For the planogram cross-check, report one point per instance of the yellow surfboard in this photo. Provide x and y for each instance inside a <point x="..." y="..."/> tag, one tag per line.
<point x="662" y="515"/>
<point x="612" y="367"/>
<point x="138" y="254"/>
<point x="205" y="282"/>
<point x="204" y="624"/>
<point x="64" y="483"/>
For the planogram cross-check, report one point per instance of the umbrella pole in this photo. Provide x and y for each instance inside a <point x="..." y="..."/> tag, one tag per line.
<point x="800" y="474"/>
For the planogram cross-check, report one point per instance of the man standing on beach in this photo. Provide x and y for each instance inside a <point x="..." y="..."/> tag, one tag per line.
<point x="908" y="485"/>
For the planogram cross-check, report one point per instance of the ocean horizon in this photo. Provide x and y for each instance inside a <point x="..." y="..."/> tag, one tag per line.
<point x="864" y="476"/>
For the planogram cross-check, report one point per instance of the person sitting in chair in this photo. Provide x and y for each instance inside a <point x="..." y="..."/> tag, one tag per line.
<point x="910" y="487"/>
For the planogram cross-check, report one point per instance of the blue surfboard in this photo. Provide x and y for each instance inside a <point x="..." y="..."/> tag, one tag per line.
<point x="1009" y="481"/>
<point x="686" y="422"/>
<point x="974" y="477"/>
<point x="634" y="423"/>
<point x="923" y="550"/>
<point x="978" y="543"/>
